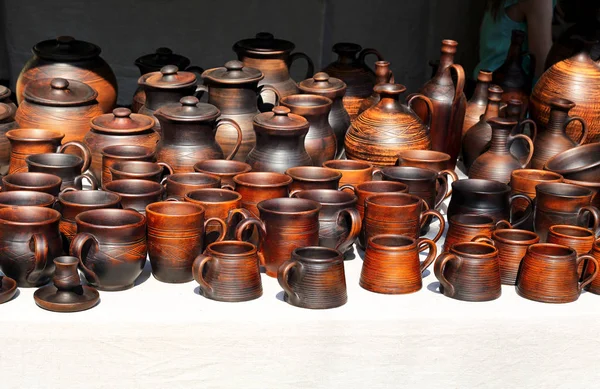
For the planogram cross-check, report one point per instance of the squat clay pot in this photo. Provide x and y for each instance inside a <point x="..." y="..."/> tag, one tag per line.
<point x="7" y="123"/>
<point x="477" y="105"/>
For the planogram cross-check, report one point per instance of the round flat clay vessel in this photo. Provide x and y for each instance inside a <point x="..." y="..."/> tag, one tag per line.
<point x="8" y="288"/>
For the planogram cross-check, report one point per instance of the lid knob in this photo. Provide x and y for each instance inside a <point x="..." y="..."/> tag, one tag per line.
<point x="321" y="77"/>
<point x="164" y="51"/>
<point x="280" y="110"/>
<point x="234" y="65"/>
<point x="169" y="70"/>
<point x="189" y="101"/>
<point x="265" y="35"/>
<point x="121" y="112"/>
<point x="65" y="39"/>
<point x="59" y="83"/>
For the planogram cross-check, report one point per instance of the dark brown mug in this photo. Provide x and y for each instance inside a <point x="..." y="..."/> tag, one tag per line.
<point x="136" y="194"/>
<point x="111" y="247"/>
<point x="524" y="181"/>
<point x="26" y="198"/>
<point x="353" y="172"/>
<point x="594" y="286"/>
<point x="549" y="273"/>
<point x="512" y="245"/>
<point x="258" y="186"/>
<point x="175" y="238"/>
<point x="469" y="272"/>
<point x="228" y="271"/>
<point x="121" y="153"/>
<point x="180" y="184"/>
<point x="314" y="278"/>
<point x="218" y="203"/>
<point x="579" y="239"/>
<point x="427" y="159"/>
<point x="29" y="242"/>
<point x="313" y="177"/>
<point x="36" y="182"/>
<point x="223" y="168"/>
<point x="69" y="167"/>
<point x="392" y="266"/>
<point x="140" y="170"/>
<point x="285" y="224"/>
<point x="464" y="227"/>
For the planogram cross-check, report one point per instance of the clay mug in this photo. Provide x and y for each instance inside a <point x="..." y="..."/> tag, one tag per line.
<point x="392" y="265"/>
<point x="229" y="271"/>
<point x="579" y="239"/>
<point x="136" y="194"/>
<point x="140" y="170"/>
<point x="524" y="181"/>
<point x="549" y="273"/>
<point x="469" y="272"/>
<point x="36" y="182"/>
<point x="224" y="169"/>
<point x="426" y="159"/>
<point x="314" y="278"/>
<point x="258" y="186"/>
<point x="594" y="286"/>
<point x="26" y="198"/>
<point x="69" y="167"/>
<point x="29" y="242"/>
<point x="465" y="227"/>
<point x="313" y="177"/>
<point x="175" y="238"/>
<point x="353" y="172"/>
<point x="119" y="153"/>
<point x="180" y="184"/>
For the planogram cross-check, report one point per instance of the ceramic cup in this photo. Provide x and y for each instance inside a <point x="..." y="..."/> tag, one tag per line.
<point x="353" y="172"/>
<point x="26" y="198"/>
<point x="69" y="167"/>
<point x="120" y="153"/>
<point x="579" y="239"/>
<point x="224" y="169"/>
<point x="180" y="184"/>
<point x="136" y="194"/>
<point x="465" y="227"/>
<point x="36" y="182"/>
<point x="258" y="186"/>
<point x="140" y="170"/>
<point x="313" y="177"/>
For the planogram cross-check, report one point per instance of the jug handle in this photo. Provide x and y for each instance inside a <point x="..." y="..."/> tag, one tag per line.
<point x="592" y="276"/>
<point x="595" y="214"/>
<point x="424" y="243"/>
<point x="529" y="142"/>
<point x="460" y="80"/>
<point x="363" y="55"/>
<point x="200" y="90"/>
<point x="39" y="245"/>
<point x="584" y="128"/>
<point x="87" y="155"/>
<point x="528" y="210"/>
<point x="222" y="225"/>
<point x="283" y="275"/>
<point x="310" y="70"/>
<point x="269" y="88"/>
<point x="197" y="270"/>
<point x="238" y="143"/>
<point x="79" y="181"/>
<point x="440" y="266"/>
<point x="454" y="177"/>
<point x="355" y="228"/>
<point x="164" y="176"/>
<point x="76" y="250"/>
<point x="519" y="128"/>
<point x="427" y="102"/>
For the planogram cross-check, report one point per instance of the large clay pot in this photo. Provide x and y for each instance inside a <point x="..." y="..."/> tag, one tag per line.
<point x="383" y="75"/>
<point x="382" y="131"/>
<point x="234" y="90"/>
<point x="351" y="68"/>
<point x="554" y="140"/>
<point x="121" y="127"/>
<point x="189" y="134"/>
<point x="576" y="79"/>
<point x="477" y="105"/>
<point x="273" y="58"/>
<point x="335" y="89"/>
<point x="66" y="57"/>
<point x="498" y="163"/>
<point x="449" y="104"/>
<point x="7" y="123"/>
<point x="58" y="104"/>
<point x="279" y="141"/>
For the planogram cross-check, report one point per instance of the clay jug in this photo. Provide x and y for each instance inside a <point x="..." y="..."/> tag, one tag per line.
<point x="189" y="134"/>
<point x="67" y="57"/>
<point x="382" y="131"/>
<point x="335" y="89"/>
<point x="477" y="105"/>
<point x="273" y="57"/>
<point x="449" y="104"/>
<point x="351" y="68"/>
<point x="234" y="90"/>
<point x="383" y="75"/>
<point x="576" y="79"/>
<point x="498" y="163"/>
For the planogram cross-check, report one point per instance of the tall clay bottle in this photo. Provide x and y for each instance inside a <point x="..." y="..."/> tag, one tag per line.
<point x="383" y="75"/>
<point x="477" y="137"/>
<point x="478" y="103"/>
<point x="449" y="104"/>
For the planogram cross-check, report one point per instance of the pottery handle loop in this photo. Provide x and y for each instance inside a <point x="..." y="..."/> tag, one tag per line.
<point x="529" y="142"/>
<point x="282" y="277"/>
<point x="424" y="243"/>
<point x="68" y="189"/>
<point x="363" y="55"/>
<point x="79" y="181"/>
<point x="460" y="80"/>
<point x="295" y="192"/>
<point x="528" y="209"/>
<point x="198" y="269"/>
<point x="348" y="187"/>
<point x="442" y="193"/>
<point x="484" y="239"/>
<point x="242" y="212"/>
<point x="584" y="127"/>
<point x="377" y="170"/>
<point x="355" y="228"/>
<point x="228" y="187"/>
<point x="260" y="225"/>
<point x="222" y="226"/>
<point x="454" y="177"/>
<point x="172" y="199"/>
<point x="438" y="270"/>
<point x="270" y="88"/>
<point x="521" y="126"/>
<point x="595" y="214"/>
<point x="310" y="66"/>
<point x="238" y="142"/>
<point x="200" y="90"/>
<point x="76" y="250"/>
<point x="87" y="155"/>
<point x="586" y="281"/>
<point x="427" y="102"/>
<point x="436" y="214"/>
<point x="502" y="224"/>
<point x="39" y="245"/>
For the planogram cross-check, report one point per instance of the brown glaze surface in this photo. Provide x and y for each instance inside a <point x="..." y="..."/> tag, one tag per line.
<point x="464" y="227"/>
<point x="26" y="198"/>
<point x="217" y="203"/>
<point x="258" y="186"/>
<point x="141" y="170"/>
<point x="36" y="182"/>
<point x="353" y="172"/>
<point x="313" y="177"/>
<point x="594" y="286"/>
<point x="118" y="153"/>
<point x="136" y="194"/>
<point x="428" y="159"/>
<point x="223" y="169"/>
<point x="477" y="104"/>
<point x="580" y="163"/>
<point x="71" y="168"/>
<point x="524" y="181"/>
<point x="180" y="184"/>
<point x="579" y="239"/>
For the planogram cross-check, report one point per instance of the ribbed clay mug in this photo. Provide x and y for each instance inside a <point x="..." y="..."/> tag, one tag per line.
<point x="464" y="227"/>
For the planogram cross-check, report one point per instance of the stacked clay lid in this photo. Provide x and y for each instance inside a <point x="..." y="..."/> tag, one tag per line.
<point x="122" y="120"/>
<point x="163" y="56"/>
<point x="59" y="92"/>
<point x="281" y="119"/>
<point x="263" y="43"/>
<point x="234" y="72"/>
<point x="322" y="84"/>
<point x="66" y="48"/>
<point x="4" y="92"/>
<point x="168" y="77"/>
<point x="188" y="109"/>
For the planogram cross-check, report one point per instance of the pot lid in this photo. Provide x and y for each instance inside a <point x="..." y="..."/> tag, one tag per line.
<point x="264" y="42"/>
<point x="4" y="92"/>
<point x="234" y="72"/>
<point x="321" y="83"/>
<point x="59" y="91"/>
<point x="161" y="57"/>
<point x="169" y="76"/>
<point x="280" y="118"/>
<point x="122" y="120"/>
<point x="189" y="108"/>
<point x="5" y="111"/>
<point x="66" y="48"/>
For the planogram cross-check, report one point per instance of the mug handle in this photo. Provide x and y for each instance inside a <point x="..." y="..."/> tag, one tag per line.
<point x="252" y="221"/>
<point x="440" y="267"/>
<point x="528" y="210"/>
<point x="422" y="244"/>
<point x="283" y="277"/>
<point x="377" y="170"/>
<point x="310" y="66"/>
<point x="348" y="187"/>
<point x="295" y="192"/>
<point x="595" y="213"/>
<point x="169" y="170"/>
<point x="502" y="224"/>
<point x="244" y="213"/>
<point x="238" y="142"/>
<point x="79" y="181"/>
<point x="436" y="214"/>
<point x="529" y="142"/>
<point x="39" y="245"/>
<point x="76" y="250"/>
<point x="427" y="102"/>
<point x="355" y="228"/>
<point x="222" y="226"/>
<point x="445" y="189"/>
<point x="197" y="270"/>
<point x="484" y="239"/>
<point x="584" y="128"/>
<point x="228" y="187"/>
<point x="87" y="155"/>
<point x="270" y="88"/>
<point x="592" y="276"/>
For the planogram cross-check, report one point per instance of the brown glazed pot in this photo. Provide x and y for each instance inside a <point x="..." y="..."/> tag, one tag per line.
<point x="383" y="75"/>
<point x="476" y="106"/>
<point x="512" y="246"/>
<point x="382" y="131"/>
<point x="558" y="203"/>
<point x="121" y="127"/>
<point x="119" y="153"/>
<point x="111" y="247"/>
<point x="234" y="90"/>
<point x="464" y="227"/>
<point x="335" y="89"/>
<point x="313" y="177"/>
<point x="58" y="104"/>
<point x="449" y="104"/>
<point x="498" y="162"/>
<point x="353" y="172"/>
<point x="594" y="286"/>
<point x="392" y="264"/>
<point x="7" y="123"/>
<point x="258" y="186"/>
<point x="580" y="163"/>
<point x="180" y="184"/>
<point x="223" y="169"/>
<point x="524" y="181"/>
<point x="29" y="241"/>
<point x="188" y="134"/>
<point x="26" y="198"/>
<point x="579" y="239"/>
<point x="217" y="203"/>
<point x="351" y="68"/>
<point x="285" y="224"/>
<point x="339" y="221"/>
<point x="36" y="182"/>
<point x="320" y="141"/>
<point x="469" y="272"/>
<point x="136" y="194"/>
<point x="228" y="271"/>
<point x="369" y="188"/>
<point x="140" y="170"/>
<point x="175" y="238"/>
<point x="73" y="59"/>
<point x="71" y="168"/>
<point x="427" y="159"/>
<point x="280" y="141"/>
<point x="549" y="274"/>
<point x="314" y="278"/>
